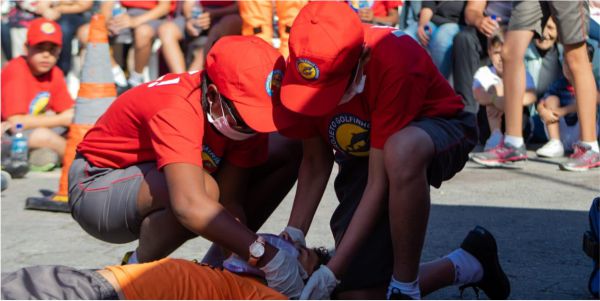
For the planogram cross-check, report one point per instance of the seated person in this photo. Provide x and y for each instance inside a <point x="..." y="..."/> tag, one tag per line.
<point x="218" y="19"/>
<point x="141" y="21"/>
<point x="165" y="279"/>
<point x="377" y="11"/>
<point x="558" y="111"/>
<point x="489" y="91"/>
<point x="34" y="93"/>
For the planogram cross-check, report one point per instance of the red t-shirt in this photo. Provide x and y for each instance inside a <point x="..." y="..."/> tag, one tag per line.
<point x="381" y="8"/>
<point x="402" y="85"/>
<point x="163" y="121"/>
<point x="216" y="3"/>
<point x="26" y="94"/>
<point x="146" y="4"/>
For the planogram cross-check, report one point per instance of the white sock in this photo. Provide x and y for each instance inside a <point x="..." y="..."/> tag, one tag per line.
<point x="119" y="76"/>
<point x="467" y="268"/>
<point x="410" y="289"/>
<point x="135" y="79"/>
<point x="592" y="144"/>
<point x="514" y="140"/>
<point x="133" y="258"/>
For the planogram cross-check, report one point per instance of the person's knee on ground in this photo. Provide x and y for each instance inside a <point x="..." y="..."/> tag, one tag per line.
<point x="44" y="137"/>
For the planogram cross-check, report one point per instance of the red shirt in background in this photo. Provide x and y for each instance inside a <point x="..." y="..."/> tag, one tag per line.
<point x="380" y="7"/>
<point x="146" y="4"/>
<point x="216" y="3"/>
<point x="163" y="121"/>
<point x="26" y="94"/>
<point x="399" y="88"/>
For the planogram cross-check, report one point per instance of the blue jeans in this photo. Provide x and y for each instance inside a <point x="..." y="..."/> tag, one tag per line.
<point x="440" y="44"/>
<point x="69" y="23"/>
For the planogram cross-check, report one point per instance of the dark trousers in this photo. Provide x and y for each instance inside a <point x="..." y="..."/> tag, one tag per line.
<point x="69" y="25"/>
<point x="469" y="48"/>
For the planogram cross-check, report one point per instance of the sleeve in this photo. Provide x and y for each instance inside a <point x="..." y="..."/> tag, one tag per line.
<point x="60" y="99"/>
<point x="529" y="83"/>
<point x="13" y="97"/>
<point x="248" y="153"/>
<point x="484" y="78"/>
<point x="398" y="103"/>
<point x="176" y="135"/>
<point x="392" y="4"/>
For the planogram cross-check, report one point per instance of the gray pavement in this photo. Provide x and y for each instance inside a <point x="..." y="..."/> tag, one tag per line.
<point x="537" y="213"/>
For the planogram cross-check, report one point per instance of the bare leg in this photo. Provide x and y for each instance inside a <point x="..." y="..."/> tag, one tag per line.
<point x="407" y="155"/>
<point x="44" y="137"/>
<point x="144" y="36"/>
<point x="513" y="53"/>
<point x="494" y="117"/>
<point x="552" y="102"/>
<point x="170" y="35"/>
<point x="585" y="89"/>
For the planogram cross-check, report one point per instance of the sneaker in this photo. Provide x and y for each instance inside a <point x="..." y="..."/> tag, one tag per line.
<point x="43" y="159"/>
<point x="554" y="148"/>
<point x="500" y="155"/>
<point x="583" y="159"/>
<point x="495" y="139"/>
<point x="396" y="294"/>
<point x="125" y="259"/>
<point x="481" y="244"/>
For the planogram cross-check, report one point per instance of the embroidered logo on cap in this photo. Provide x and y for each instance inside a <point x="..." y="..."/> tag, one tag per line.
<point x="307" y="69"/>
<point x="274" y="81"/>
<point x="47" y="28"/>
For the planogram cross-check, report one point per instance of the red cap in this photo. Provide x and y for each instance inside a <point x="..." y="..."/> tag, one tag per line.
<point x="248" y="71"/>
<point x="43" y="30"/>
<point x="325" y="45"/>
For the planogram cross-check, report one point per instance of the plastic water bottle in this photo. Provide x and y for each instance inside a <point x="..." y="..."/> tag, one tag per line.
<point x="364" y="4"/>
<point x="124" y="36"/>
<point x="18" y="150"/>
<point x="196" y="12"/>
<point x="427" y="30"/>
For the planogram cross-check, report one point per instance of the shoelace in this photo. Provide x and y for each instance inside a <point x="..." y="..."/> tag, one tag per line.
<point x="579" y="151"/>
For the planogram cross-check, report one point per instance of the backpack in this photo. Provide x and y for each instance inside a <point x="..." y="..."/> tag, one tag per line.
<point x="590" y="245"/>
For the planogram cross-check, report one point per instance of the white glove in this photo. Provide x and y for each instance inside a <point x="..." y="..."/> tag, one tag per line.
<point x="320" y="285"/>
<point x="284" y="274"/>
<point x="295" y="234"/>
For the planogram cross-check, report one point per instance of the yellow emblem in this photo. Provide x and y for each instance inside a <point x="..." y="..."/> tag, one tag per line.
<point x="47" y="28"/>
<point x="307" y="69"/>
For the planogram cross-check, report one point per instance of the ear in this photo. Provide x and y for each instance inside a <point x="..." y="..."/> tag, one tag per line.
<point x="25" y="49"/>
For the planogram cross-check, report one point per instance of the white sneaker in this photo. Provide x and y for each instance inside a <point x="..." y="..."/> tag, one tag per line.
<point x="552" y="149"/>
<point x="494" y="140"/>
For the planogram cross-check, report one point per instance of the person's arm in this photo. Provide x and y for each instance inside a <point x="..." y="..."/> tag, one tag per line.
<point x="223" y="11"/>
<point x="424" y="18"/>
<point x="48" y="121"/>
<point x="474" y="16"/>
<point x="315" y="169"/>
<point x="367" y="214"/>
<point x="74" y="7"/>
<point x="390" y="19"/>
<point x="123" y="21"/>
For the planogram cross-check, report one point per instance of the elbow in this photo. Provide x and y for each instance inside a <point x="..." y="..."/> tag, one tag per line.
<point x="195" y="213"/>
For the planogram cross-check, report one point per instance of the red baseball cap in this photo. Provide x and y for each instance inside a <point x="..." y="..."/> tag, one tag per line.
<point x="248" y="71"/>
<point x="43" y="30"/>
<point x="325" y="45"/>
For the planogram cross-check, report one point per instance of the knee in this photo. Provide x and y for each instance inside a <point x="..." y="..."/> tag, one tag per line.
<point x="168" y="31"/>
<point x="143" y="36"/>
<point x="408" y="154"/>
<point x="42" y="137"/>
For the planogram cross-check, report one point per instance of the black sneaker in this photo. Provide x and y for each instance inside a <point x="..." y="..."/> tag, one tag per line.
<point x="396" y="294"/>
<point x="481" y="244"/>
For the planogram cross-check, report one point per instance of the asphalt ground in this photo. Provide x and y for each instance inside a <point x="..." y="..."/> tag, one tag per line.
<point x="536" y="212"/>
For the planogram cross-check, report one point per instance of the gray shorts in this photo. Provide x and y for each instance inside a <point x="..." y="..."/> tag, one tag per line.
<point x="104" y="200"/>
<point x="572" y="18"/>
<point x="56" y="283"/>
<point x="134" y="12"/>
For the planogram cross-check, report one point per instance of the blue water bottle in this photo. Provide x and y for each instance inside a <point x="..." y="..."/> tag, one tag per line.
<point x="18" y="151"/>
<point x="124" y="36"/>
<point x="196" y="12"/>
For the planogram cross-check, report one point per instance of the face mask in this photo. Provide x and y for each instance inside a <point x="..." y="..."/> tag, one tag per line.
<point x="222" y="125"/>
<point x="354" y="90"/>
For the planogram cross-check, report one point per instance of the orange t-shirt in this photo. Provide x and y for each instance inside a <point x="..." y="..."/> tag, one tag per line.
<point x="178" y="279"/>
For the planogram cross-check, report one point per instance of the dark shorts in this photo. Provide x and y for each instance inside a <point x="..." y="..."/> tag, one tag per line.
<point x="373" y="263"/>
<point x="104" y="200"/>
<point x="56" y="283"/>
<point x="572" y="18"/>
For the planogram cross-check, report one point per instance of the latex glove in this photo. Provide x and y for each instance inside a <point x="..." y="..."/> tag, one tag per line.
<point x="294" y="234"/>
<point x="320" y="285"/>
<point x="284" y="274"/>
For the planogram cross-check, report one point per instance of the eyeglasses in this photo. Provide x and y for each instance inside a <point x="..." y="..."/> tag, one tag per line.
<point x="233" y="117"/>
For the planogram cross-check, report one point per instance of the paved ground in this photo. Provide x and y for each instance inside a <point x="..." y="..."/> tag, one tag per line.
<point x="537" y="213"/>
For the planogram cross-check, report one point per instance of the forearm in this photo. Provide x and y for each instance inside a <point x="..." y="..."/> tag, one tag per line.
<point x="425" y="16"/>
<point x="391" y="19"/>
<point x="46" y="121"/>
<point x="160" y="10"/>
<point x="474" y="12"/>
<point x="529" y="97"/>
<point x="483" y="97"/>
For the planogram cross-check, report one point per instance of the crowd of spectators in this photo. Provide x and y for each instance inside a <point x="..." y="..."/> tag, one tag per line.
<point x="464" y="38"/>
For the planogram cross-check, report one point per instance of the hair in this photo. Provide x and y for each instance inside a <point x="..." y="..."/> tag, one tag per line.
<point x="323" y="255"/>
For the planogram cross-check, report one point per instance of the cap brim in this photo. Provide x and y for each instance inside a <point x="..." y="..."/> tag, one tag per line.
<point x="312" y="101"/>
<point x="39" y="41"/>
<point x="267" y="119"/>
